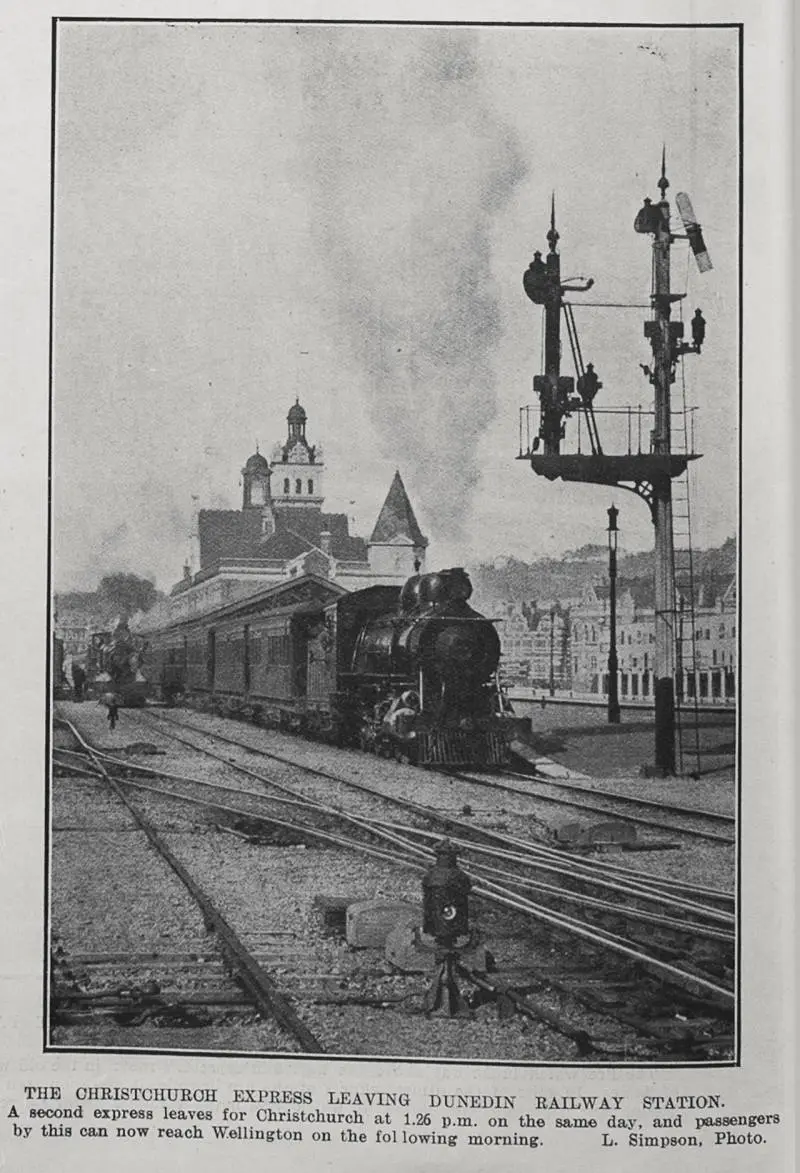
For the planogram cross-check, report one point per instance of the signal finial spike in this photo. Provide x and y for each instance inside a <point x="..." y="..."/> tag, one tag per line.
<point x="552" y="235"/>
<point x="663" y="182"/>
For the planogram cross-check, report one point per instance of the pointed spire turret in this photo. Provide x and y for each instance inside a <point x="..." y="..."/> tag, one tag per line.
<point x="396" y="518"/>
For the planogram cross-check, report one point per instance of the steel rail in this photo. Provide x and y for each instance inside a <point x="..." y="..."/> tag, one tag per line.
<point x="485" y="888"/>
<point x="697" y="811"/>
<point x="427" y="811"/>
<point x="715" y="836"/>
<point x="495" y="892"/>
<point x="449" y="821"/>
<point x="491" y="891"/>
<point x="537" y="853"/>
<point x="377" y="828"/>
<point x="476" y="869"/>
<point x="670" y="922"/>
<point x="648" y="879"/>
<point x="265" y="994"/>
<point x="612" y="942"/>
<point x="574" y="872"/>
<point x="588" y="869"/>
<point x="303" y="803"/>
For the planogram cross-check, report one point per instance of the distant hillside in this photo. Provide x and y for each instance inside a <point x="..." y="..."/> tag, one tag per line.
<point x="566" y="577"/>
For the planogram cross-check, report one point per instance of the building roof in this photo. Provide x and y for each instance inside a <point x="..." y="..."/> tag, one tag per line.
<point x="311" y="524"/>
<point x="396" y="518"/>
<point x="227" y="533"/>
<point x="297" y="414"/>
<point x="257" y="463"/>
<point x="231" y="534"/>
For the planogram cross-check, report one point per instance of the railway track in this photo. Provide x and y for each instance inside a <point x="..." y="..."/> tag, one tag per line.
<point x="244" y="966"/>
<point x="613" y="804"/>
<point x="521" y="878"/>
<point x="451" y="823"/>
<point x="393" y="794"/>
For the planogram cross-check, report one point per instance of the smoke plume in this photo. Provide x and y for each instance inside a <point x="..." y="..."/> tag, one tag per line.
<point x="408" y="175"/>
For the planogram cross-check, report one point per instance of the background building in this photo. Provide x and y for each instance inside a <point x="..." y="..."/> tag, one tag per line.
<point x="563" y="645"/>
<point x="281" y="531"/>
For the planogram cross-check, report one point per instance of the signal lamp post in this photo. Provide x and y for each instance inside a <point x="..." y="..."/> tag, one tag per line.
<point x="613" y="688"/>
<point x="552" y="651"/>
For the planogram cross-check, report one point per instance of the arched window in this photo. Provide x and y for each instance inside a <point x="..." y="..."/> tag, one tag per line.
<point x="286" y="485"/>
<point x="298" y="486"/>
<point x="310" y="485"/>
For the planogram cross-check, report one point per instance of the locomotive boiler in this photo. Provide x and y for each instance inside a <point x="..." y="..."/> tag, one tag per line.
<point x="424" y="674"/>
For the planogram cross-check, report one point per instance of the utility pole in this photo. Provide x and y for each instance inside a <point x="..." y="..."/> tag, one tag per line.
<point x="552" y="339"/>
<point x="613" y="682"/>
<point x="552" y="651"/>
<point x="663" y="343"/>
<point x="542" y="283"/>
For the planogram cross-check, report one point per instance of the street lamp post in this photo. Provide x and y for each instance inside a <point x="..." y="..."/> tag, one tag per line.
<point x="552" y="651"/>
<point x="613" y="687"/>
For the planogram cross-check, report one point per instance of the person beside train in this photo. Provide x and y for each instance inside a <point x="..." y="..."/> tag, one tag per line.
<point x="78" y="680"/>
<point x="401" y="716"/>
<point x="111" y="701"/>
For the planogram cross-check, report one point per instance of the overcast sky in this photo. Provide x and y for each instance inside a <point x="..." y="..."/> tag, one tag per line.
<point x="246" y="213"/>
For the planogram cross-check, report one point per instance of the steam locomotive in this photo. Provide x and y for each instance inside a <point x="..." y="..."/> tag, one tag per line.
<point x="113" y="664"/>
<point x="403" y="672"/>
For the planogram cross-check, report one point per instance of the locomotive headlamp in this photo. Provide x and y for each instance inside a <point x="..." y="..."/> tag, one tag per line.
<point x="445" y="892"/>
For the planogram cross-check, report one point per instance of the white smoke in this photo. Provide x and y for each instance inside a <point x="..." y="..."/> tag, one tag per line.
<point x="407" y="176"/>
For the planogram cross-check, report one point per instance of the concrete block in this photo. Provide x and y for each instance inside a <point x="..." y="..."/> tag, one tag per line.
<point x="413" y="952"/>
<point x="369" y="922"/>
<point x="582" y="833"/>
<point x="331" y="911"/>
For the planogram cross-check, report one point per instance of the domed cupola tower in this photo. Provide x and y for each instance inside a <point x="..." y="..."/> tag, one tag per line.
<point x="297" y="465"/>
<point x="256" y="476"/>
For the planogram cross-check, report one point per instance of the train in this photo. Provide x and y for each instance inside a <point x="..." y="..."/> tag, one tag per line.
<point x="114" y="664"/>
<point x="405" y="672"/>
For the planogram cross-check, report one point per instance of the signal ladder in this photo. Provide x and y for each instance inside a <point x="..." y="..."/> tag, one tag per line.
<point x="687" y="710"/>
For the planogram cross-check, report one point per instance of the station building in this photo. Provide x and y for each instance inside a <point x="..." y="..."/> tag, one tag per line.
<point x="282" y="532"/>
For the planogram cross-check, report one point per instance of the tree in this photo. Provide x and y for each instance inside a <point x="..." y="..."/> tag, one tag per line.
<point x="124" y="594"/>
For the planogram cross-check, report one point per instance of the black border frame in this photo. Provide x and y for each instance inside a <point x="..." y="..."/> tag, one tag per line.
<point x="49" y="1048"/>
